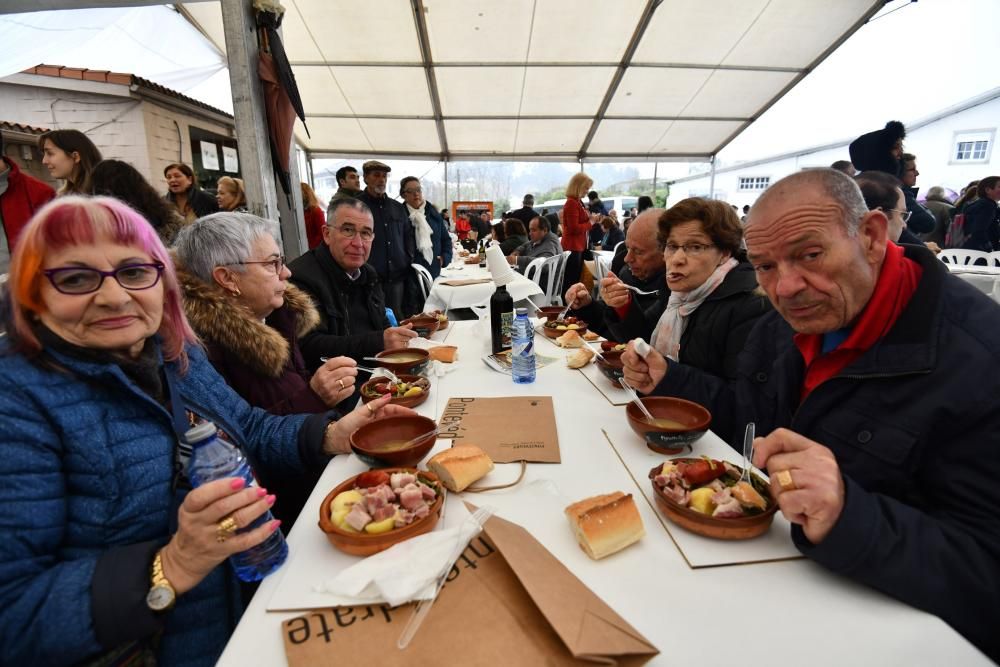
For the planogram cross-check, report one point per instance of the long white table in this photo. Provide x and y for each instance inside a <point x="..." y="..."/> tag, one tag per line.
<point x="793" y="612"/>
<point x="445" y="297"/>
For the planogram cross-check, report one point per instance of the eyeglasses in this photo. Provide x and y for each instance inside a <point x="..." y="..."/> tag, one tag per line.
<point x="83" y="280"/>
<point x="903" y="213"/>
<point x="349" y="232"/>
<point x="690" y="249"/>
<point x="413" y="191"/>
<point x="276" y="263"/>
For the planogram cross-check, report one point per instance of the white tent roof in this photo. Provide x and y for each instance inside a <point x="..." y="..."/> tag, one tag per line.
<point x="598" y="80"/>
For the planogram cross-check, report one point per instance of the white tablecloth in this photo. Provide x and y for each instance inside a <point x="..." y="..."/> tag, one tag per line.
<point x="791" y="613"/>
<point x="986" y="281"/>
<point x="446" y="297"/>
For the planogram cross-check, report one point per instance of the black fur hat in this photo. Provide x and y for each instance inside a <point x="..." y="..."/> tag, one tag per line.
<point x="873" y="151"/>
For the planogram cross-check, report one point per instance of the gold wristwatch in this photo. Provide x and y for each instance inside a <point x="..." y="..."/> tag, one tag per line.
<point x="161" y="595"/>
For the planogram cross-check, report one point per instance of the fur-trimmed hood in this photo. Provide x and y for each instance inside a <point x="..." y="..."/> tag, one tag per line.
<point x="218" y="320"/>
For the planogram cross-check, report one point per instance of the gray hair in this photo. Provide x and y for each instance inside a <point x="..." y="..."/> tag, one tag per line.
<point x="221" y="239"/>
<point x="350" y="202"/>
<point x="836" y="185"/>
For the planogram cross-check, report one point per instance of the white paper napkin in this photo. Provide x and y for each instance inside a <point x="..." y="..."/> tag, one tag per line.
<point x="499" y="268"/>
<point x="409" y="570"/>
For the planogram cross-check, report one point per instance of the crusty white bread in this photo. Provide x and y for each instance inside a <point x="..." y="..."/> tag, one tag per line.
<point x="570" y="339"/>
<point x="580" y="358"/>
<point x="443" y="353"/>
<point x="591" y="336"/>
<point x="605" y="524"/>
<point x="460" y="466"/>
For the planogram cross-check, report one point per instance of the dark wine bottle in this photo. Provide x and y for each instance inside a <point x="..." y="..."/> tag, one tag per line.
<point x="501" y="319"/>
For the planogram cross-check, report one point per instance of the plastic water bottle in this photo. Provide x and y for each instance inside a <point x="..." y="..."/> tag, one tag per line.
<point x="523" y="353"/>
<point x="212" y="459"/>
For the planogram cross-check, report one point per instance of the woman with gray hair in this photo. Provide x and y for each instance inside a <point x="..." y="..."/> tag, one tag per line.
<point x="238" y="300"/>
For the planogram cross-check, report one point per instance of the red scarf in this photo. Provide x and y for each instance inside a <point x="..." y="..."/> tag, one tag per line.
<point x="895" y="286"/>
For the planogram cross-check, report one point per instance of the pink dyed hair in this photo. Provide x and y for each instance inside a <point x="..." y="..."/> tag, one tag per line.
<point x="75" y="220"/>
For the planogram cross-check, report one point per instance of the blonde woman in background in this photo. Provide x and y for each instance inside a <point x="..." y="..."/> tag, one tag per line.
<point x="230" y="195"/>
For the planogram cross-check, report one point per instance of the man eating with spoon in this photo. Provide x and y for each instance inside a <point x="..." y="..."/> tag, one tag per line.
<point x="878" y="454"/>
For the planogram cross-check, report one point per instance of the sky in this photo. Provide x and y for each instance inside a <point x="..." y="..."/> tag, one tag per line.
<point x="910" y="60"/>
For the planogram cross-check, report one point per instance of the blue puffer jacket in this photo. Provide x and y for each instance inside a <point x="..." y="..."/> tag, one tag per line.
<point x="85" y="483"/>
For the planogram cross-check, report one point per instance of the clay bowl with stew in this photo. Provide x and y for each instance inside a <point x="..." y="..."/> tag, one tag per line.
<point x="377" y="443"/>
<point x="403" y="359"/>
<point x="737" y="528"/>
<point x="679" y="423"/>
<point x="365" y="544"/>
<point x="611" y="366"/>
<point x="551" y="327"/>
<point x="376" y="387"/>
<point x="441" y="317"/>
<point x="424" y="325"/>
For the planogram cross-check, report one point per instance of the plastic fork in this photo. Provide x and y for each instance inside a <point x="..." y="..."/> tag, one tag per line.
<point x="376" y="372"/>
<point x="748" y="437"/>
<point x="639" y="291"/>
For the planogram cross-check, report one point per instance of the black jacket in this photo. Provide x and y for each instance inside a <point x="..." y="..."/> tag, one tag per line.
<point x="200" y="201"/>
<point x="394" y="248"/>
<point x="914" y="426"/>
<point x="921" y="220"/>
<point x="982" y="224"/>
<point x="642" y="315"/>
<point x="338" y="334"/>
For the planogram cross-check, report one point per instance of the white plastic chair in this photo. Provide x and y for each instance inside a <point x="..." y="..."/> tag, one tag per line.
<point x="955" y="257"/>
<point x="555" y="296"/>
<point x="424" y="279"/>
<point x="533" y="272"/>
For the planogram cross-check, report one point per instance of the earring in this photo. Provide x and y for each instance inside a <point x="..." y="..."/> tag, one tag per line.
<point x="236" y="292"/>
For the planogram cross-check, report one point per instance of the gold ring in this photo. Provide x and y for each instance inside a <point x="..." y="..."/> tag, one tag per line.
<point x="371" y="410"/>
<point x="225" y="528"/>
<point x="785" y="480"/>
<point x="341" y="383"/>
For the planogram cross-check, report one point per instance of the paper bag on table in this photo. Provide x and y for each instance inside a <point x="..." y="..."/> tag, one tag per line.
<point x="507" y="600"/>
<point x="462" y="282"/>
<point x="510" y="428"/>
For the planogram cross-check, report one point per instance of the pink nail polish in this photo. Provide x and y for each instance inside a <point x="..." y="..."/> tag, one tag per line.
<point x="275" y="524"/>
<point x="261" y="493"/>
<point x="271" y="499"/>
<point x="237" y="484"/>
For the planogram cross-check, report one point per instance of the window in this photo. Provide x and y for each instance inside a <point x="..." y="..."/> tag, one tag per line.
<point x="971" y="150"/>
<point x="972" y="147"/>
<point x="754" y="182"/>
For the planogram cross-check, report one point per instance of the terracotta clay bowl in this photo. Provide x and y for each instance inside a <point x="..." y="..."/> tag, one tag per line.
<point x="690" y="423"/>
<point x="364" y="544"/>
<point x="549" y="312"/>
<point x="373" y="442"/>
<point x="424" y="325"/>
<point x="403" y="359"/>
<point x="739" y="528"/>
<point x="442" y="318"/>
<point x="369" y="394"/>
<point x="551" y="330"/>
<point x="611" y="366"/>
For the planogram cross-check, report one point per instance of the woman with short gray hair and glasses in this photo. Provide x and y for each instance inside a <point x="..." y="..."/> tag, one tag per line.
<point x="238" y="300"/>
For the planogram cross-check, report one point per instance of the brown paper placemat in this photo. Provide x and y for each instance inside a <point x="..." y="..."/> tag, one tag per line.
<point x="510" y="428"/>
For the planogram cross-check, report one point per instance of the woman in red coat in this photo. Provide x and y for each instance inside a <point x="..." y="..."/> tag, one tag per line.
<point x="314" y="218"/>
<point x="575" y="227"/>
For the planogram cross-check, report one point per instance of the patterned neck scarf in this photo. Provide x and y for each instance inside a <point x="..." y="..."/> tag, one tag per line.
<point x="667" y="335"/>
<point x="423" y="231"/>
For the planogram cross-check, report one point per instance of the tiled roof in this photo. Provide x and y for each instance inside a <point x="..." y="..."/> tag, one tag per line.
<point x="119" y="78"/>
<point x="18" y="127"/>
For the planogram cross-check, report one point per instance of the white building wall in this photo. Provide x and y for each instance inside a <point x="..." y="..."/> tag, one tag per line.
<point x="933" y="144"/>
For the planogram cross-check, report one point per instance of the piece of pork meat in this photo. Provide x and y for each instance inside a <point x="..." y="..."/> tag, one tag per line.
<point x="399" y="480"/>
<point x="730" y="509"/>
<point x="357" y="518"/>
<point x="410" y="497"/>
<point x="384" y="512"/>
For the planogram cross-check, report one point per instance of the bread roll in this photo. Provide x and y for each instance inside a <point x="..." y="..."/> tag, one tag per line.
<point x="444" y="353"/>
<point x="591" y="336"/>
<point x="605" y="524"/>
<point x="580" y="358"/>
<point x="460" y="466"/>
<point x="570" y="339"/>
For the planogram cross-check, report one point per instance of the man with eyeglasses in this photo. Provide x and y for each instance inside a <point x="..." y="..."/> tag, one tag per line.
<point x="394" y="248"/>
<point x="347" y="291"/>
<point x="874" y="383"/>
<point x="620" y="314"/>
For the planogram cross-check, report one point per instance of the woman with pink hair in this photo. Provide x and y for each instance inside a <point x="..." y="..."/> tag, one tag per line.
<point x="100" y="376"/>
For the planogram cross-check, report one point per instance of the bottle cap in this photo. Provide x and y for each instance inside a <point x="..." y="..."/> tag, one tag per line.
<point x="202" y="431"/>
<point x="521" y="311"/>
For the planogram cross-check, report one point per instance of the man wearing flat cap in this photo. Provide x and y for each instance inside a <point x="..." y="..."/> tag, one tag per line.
<point x="395" y="245"/>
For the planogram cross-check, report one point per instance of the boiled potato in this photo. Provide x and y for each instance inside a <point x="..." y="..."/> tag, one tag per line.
<point x="668" y="468"/>
<point x="572" y="326"/>
<point x="561" y="327"/>
<point x="701" y="500"/>
<point x="346" y="499"/>
<point x="413" y="391"/>
<point x="384" y="526"/>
